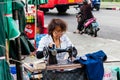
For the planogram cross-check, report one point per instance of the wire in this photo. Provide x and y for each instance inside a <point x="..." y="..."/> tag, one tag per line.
<point x="16" y="61"/>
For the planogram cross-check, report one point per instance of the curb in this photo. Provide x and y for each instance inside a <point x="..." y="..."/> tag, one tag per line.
<point x="111" y="8"/>
<point x="110" y="5"/>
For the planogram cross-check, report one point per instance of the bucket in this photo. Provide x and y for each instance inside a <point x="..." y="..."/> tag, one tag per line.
<point x="13" y="72"/>
<point x="12" y="69"/>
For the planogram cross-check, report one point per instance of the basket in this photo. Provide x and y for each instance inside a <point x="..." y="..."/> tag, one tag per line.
<point x="76" y="74"/>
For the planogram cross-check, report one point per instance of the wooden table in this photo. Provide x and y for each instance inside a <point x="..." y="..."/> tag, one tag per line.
<point x="64" y="66"/>
<point x="52" y="67"/>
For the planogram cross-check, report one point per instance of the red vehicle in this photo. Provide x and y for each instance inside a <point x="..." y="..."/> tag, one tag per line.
<point x="60" y="5"/>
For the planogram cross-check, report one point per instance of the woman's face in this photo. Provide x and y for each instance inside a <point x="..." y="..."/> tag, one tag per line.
<point x="57" y="32"/>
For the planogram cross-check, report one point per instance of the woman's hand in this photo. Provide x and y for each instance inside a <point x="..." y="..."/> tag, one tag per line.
<point x="51" y="45"/>
<point x="72" y="58"/>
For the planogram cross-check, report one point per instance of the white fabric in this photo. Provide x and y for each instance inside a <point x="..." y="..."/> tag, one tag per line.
<point x="46" y="40"/>
<point x="3" y="57"/>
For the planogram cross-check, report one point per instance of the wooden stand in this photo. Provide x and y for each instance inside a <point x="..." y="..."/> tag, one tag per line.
<point x="43" y="67"/>
<point x="65" y="66"/>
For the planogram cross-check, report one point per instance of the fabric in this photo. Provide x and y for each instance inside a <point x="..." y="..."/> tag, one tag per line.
<point x="40" y="16"/>
<point x="7" y="6"/>
<point x="2" y="30"/>
<point x="26" y="46"/>
<point x="11" y="28"/>
<point x="40" y="21"/>
<point x="19" y="6"/>
<point x="93" y="64"/>
<point x="38" y="38"/>
<point x="86" y="11"/>
<point x="80" y="21"/>
<point x="37" y="2"/>
<point x="5" y="71"/>
<point x="46" y="40"/>
<point x="4" y="67"/>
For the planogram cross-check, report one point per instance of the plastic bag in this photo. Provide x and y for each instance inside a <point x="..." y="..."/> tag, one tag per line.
<point x="110" y="74"/>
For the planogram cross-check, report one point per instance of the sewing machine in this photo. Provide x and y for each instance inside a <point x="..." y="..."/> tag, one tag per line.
<point x="52" y="52"/>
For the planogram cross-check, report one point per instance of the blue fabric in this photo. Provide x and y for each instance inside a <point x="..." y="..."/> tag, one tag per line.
<point x="38" y="38"/>
<point x="95" y="24"/>
<point x="93" y="65"/>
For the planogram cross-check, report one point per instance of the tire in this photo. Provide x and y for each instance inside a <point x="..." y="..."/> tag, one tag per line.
<point x="62" y="9"/>
<point x="44" y="10"/>
<point x="97" y="7"/>
<point x="89" y="30"/>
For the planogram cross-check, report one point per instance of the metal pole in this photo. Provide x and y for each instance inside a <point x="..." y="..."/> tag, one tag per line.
<point x="26" y="5"/>
<point x="18" y="65"/>
<point x="36" y="7"/>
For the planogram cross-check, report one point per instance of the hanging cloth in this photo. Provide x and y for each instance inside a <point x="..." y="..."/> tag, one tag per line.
<point x="93" y="64"/>
<point x="11" y="28"/>
<point x="26" y="46"/>
<point x="4" y="67"/>
<point x="37" y="2"/>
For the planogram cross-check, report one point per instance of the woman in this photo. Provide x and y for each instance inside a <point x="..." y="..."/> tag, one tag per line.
<point x="85" y="13"/>
<point x="56" y="35"/>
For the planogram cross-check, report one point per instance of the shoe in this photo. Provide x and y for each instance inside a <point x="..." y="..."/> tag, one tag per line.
<point x="81" y="32"/>
<point x="95" y="34"/>
<point x="75" y="32"/>
<point x="98" y="29"/>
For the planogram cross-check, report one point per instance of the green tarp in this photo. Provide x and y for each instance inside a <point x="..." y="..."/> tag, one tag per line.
<point x="9" y="31"/>
<point x="4" y="67"/>
<point x="5" y="71"/>
<point x="37" y="2"/>
<point x="2" y="34"/>
<point x="26" y="46"/>
<point x="11" y="28"/>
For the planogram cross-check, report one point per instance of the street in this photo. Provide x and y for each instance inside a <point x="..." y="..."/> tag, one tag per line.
<point x="109" y="24"/>
<point x="108" y="21"/>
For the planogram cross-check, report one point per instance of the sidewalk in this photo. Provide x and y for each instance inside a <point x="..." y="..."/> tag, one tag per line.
<point x="87" y="44"/>
<point x="110" y="5"/>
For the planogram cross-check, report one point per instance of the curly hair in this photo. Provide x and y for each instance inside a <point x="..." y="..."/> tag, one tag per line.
<point x="55" y="23"/>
